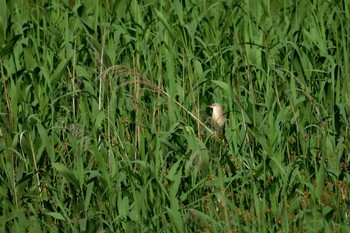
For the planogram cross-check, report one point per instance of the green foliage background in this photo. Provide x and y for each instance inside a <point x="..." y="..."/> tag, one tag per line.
<point x="104" y="125"/>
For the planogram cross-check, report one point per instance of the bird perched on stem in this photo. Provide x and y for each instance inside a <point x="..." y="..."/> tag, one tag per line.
<point x="218" y="118"/>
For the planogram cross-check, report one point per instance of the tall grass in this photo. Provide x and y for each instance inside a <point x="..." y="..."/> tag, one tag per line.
<point x="104" y="122"/>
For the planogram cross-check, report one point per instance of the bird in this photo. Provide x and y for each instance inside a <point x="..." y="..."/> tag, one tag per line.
<point x="218" y="118"/>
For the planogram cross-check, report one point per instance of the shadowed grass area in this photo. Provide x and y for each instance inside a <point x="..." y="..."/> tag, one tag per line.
<point x="105" y="127"/>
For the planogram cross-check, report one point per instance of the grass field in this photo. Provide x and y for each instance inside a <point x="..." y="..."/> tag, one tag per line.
<point x="104" y="124"/>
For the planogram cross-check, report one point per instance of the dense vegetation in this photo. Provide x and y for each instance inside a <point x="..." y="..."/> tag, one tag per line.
<point x="104" y="122"/>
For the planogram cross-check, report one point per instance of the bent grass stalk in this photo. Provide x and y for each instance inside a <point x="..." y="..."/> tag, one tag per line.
<point x="126" y="71"/>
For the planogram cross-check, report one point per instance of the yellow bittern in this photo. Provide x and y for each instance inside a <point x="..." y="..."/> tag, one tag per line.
<point x="218" y="118"/>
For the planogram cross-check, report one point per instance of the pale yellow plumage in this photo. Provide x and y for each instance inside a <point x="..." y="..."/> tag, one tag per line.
<point x="218" y="118"/>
